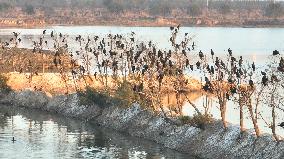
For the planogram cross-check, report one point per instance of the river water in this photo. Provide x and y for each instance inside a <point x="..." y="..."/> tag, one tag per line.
<point x="41" y="135"/>
<point x="255" y="43"/>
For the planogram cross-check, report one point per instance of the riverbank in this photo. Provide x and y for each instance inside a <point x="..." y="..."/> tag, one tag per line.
<point x="212" y="142"/>
<point x="143" y="22"/>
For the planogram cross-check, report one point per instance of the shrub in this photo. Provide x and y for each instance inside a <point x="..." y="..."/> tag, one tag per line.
<point x="4" y="88"/>
<point x="197" y="120"/>
<point x="125" y="93"/>
<point x="93" y="96"/>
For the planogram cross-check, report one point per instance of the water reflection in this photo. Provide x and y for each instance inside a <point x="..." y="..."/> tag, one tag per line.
<point x="210" y="104"/>
<point x="40" y="135"/>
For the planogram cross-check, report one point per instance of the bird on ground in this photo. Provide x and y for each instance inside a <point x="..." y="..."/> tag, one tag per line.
<point x="44" y="31"/>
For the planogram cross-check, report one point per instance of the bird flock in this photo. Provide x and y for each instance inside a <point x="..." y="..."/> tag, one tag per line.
<point x="151" y="71"/>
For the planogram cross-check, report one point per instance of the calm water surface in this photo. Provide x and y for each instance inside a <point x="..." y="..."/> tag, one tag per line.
<point x="255" y="43"/>
<point x="40" y="135"/>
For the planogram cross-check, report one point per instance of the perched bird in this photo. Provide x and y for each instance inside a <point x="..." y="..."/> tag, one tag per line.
<point x="212" y="53"/>
<point x="201" y="55"/>
<point x="275" y="52"/>
<point x="251" y="83"/>
<point x="230" y="52"/>
<point x="253" y="66"/>
<point x="281" y="125"/>
<point x="191" y="67"/>
<point x="264" y="80"/>
<point x="263" y="73"/>
<point x="193" y="46"/>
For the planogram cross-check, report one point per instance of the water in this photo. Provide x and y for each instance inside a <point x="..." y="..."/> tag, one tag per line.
<point x="41" y="135"/>
<point x="254" y="43"/>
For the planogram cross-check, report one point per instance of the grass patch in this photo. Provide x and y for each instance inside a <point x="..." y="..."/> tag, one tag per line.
<point x="199" y="121"/>
<point x="4" y="88"/>
<point x="92" y="96"/>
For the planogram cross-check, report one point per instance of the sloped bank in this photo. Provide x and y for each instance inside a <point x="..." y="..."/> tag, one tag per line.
<point x="213" y="142"/>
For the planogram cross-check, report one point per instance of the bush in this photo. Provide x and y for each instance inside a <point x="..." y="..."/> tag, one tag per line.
<point x="125" y="93"/>
<point x="92" y="96"/>
<point x="4" y="88"/>
<point x="197" y="120"/>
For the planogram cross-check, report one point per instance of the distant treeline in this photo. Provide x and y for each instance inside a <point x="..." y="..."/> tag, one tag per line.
<point x="154" y="7"/>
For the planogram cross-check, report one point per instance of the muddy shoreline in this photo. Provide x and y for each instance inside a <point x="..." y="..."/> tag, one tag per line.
<point x="212" y="142"/>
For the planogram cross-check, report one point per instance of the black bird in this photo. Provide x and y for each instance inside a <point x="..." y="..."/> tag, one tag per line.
<point x="212" y="52"/>
<point x="212" y="70"/>
<point x="15" y="34"/>
<point x="44" y="31"/>
<point x="201" y="55"/>
<point x="281" y="125"/>
<point x="178" y="26"/>
<point x="251" y="83"/>
<point x="274" y="78"/>
<point x="191" y="67"/>
<point x="253" y="66"/>
<point x="51" y="35"/>
<point x="264" y="80"/>
<point x="241" y="61"/>
<point x="193" y="46"/>
<point x="13" y="139"/>
<point x="275" y="52"/>
<point x="198" y="64"/>
<point x="263" y="73"/>
<point x="230" y="52"/>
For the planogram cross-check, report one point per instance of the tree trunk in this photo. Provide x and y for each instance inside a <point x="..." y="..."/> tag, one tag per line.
<point x="273" y="126"/>
<point x="241" y="118"/>
<point x="254" y="120"/>
<point x="223" y="107"/>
